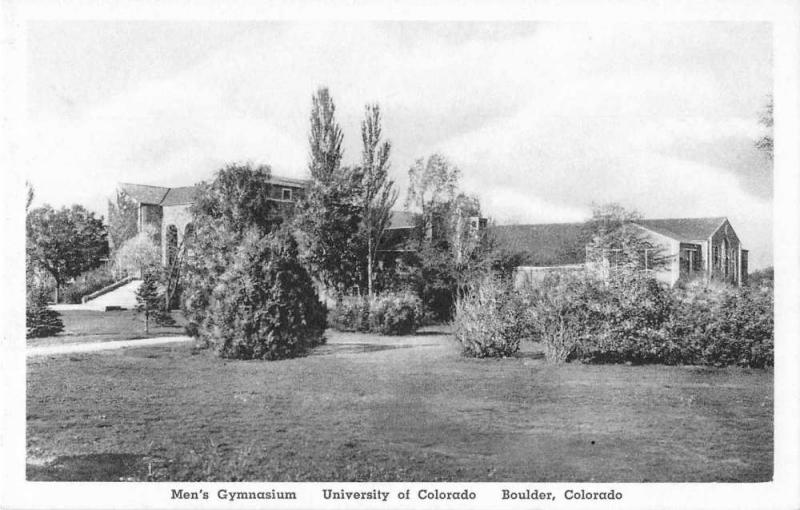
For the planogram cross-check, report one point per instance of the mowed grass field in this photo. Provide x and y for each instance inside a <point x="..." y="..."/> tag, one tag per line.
<point x="368" y="408"/>
<point x="85" y="326"/>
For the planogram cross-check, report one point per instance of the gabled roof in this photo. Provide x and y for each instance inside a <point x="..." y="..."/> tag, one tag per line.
<point x="179" y="196"/>
<point x="552" y="244"/>
<point x="145" y="194"/>
<point x="159" y="195"/>
<point x="402" y="220"/>
<point x="684" y="229"/>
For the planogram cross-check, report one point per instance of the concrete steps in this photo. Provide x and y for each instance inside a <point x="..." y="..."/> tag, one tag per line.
<point x="122" y="297"/>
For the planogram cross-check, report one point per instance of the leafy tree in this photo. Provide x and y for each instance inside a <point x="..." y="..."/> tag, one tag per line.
<point x="765" y="143"/>
<point x="330" y="225"/>
<point x="237" y="201"/>
<point x="150" y="302"/>
<point x="449" y="250"/>
<point x="65" y="242"/>
<point x="123" y="218"/>
<point x="432" y="188"/>
<point x="378" y="193"/>
<point x="614" y="240"/>
<point x="325" y="138"/>
<point x="139" y="254"/>
<point x="330" y="218"/>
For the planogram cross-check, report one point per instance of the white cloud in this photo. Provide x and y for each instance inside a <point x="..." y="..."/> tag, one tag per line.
<point x="543" y="122"/>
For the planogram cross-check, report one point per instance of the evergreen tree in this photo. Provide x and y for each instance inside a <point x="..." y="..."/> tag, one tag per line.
<point x="150" y="302"/>
<point x="40" y="320"/>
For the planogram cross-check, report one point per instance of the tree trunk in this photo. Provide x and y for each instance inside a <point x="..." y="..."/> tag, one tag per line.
<point x="58" y="291"/>
<point x="369" y="267"/>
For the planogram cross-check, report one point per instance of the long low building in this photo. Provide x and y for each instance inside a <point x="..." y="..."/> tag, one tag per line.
<point x="689" y="248"/>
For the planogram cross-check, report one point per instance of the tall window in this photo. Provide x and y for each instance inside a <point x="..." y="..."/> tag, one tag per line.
<point x="171" y="244"/>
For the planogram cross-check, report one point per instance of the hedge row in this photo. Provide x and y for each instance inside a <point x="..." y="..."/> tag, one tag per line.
<point x="387" y="314"/>
<point x="628" y="319"/>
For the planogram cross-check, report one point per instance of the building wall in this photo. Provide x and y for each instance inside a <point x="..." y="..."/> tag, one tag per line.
<point x="179" y="216"/>
<point x="666" y="249"/>
<point x="725" y="235"/>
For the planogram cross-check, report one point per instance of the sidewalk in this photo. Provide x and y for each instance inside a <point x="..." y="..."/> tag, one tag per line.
<point x="49" y="350"/>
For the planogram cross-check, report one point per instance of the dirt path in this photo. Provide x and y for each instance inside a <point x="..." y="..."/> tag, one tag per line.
<point x="49" y="350"/>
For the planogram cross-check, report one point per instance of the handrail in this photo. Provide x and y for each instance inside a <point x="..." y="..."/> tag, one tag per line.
<point x="107" y="289"/>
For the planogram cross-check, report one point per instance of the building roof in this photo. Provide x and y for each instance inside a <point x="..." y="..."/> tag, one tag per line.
<point x="552" y="244"/>
<point x="143" y="193"/>
<point x="402" y="220"/>
<point x="159" y="195"/>
<point x="684" y="229"/>
<point x="179" y="196"/>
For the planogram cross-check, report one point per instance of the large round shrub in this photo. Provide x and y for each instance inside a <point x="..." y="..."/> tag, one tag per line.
<point x="490" y="321"/>
<point x="395" y="313"/>
<point x="264" y="305"/>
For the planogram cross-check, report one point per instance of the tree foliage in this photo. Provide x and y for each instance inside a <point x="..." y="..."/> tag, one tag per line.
<point x="224" y="210"/>
<point x="139" y="254"/>
<point x="614" y="240"/>
<point x="330" y="217"/>
<point x="150" y="301"/>
<point x="123" y="218"/>
<point x="65" y="242"/>
<point x="264" y="305"/>
<point x="448" y="250"/>
<point x="378" y="193"/>
<point x="325" y="138"/>
<point x="40" y="320"/>
<point x="765" y="143"/>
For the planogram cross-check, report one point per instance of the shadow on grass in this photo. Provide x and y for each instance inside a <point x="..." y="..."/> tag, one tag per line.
<point x="353" y="348"/>
<point x="96" y="467"/>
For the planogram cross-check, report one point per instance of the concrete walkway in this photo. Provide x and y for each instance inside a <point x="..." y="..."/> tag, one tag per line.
<point x="49" y="350"/>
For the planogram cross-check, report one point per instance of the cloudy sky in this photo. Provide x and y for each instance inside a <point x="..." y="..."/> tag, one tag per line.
<point x="544" y="119"/>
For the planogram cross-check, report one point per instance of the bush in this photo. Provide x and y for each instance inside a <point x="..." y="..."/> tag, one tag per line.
<point x="391" y="313"/>
<point x="40" y="320"/>
<point x="88" y="282"/>
<point x="564" y="312"/>
<point x="627" y="312"/>
<point x="490" y="321"/>
<point x="395" y="314"/>
<point x="264" y="305"/>
<point x="721" y="325"/>
<point x="632" y="318"/>
<point x="350" y="314"/>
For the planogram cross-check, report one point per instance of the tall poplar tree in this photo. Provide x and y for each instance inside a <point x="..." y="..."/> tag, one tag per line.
<point x="325" y="138"/>
<point x="378" y="193"/>
<point x="330" y="218"/>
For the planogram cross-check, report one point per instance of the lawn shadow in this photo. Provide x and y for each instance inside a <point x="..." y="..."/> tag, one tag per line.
<point x="354" y="348"/>
<point x="95" y="467"/>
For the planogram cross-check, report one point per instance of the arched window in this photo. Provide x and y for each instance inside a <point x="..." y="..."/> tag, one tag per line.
<point x="188" y="232"/>
<point x="171" y="245"/>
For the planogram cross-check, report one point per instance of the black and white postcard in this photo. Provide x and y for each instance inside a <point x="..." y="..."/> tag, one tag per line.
<point x="389" y="255"/>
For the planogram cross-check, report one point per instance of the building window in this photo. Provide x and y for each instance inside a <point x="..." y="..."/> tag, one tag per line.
<point x="171" y="248"/>
<point x="716" y="256"/>
<point x="287" y="194"/>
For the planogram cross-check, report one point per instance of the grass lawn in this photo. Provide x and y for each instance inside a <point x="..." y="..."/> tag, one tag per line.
<point x="366" y="408"/>
<point x="94" y="326"/>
